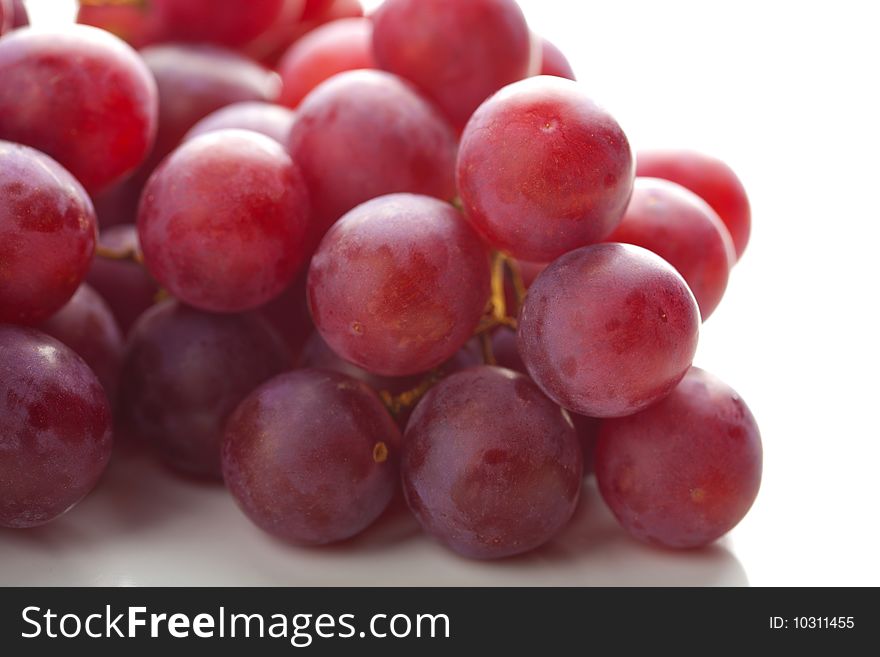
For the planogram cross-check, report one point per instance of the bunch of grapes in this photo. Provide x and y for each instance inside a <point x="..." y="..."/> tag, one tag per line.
<point x="417" y="257"/>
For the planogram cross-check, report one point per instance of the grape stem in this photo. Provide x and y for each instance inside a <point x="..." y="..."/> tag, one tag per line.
<point x="119" y="254"/>
<point x="495" y="316"/>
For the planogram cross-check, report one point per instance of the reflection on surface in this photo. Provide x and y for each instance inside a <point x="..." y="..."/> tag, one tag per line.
<point x="146" y="526"/>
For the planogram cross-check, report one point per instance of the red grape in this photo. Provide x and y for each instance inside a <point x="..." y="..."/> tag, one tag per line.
<point x="19" y="14"/>
<point x="315" y="8"/>
<point x="5" y="15"/>
<point x="222" y="221"/>
<point x="82" y="96"/>
<point x="126" y="286"/>
<point x="505" y="350"/>
<point x="86" y="325"/>
<point x="678" y="226"/>
<point x="56" y="436"/>
<point x="47" y="234"/>
<point x="458" y="52"/>
<point x="685" y="471"/>
<point x="490" y="466"/>
<point x="271" y="120"/>
<point x="554" y="62"/>
<point x="339" y="46"/>
<point x="185" y="371"/>
<point x="543" y="170"/>
<point x="195" y="80"/>
<point x="362" y="134"/>
<point x="399" y="284"/>
<point x="587" y="430"/>
<point x="228" y="23"/>
<point x="130" y="22"/>
<point x="608" y="329"/>
<point x="118" y="204"/>
<point x="306" y="457"/>
<point x="710" y="179"/>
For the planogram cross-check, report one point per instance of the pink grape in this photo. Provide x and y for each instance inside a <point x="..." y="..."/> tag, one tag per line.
<point x="266" y="118"/>
<point x="554" y="62"/>
<point x="608" y="330"/>
<point x="306" y="456"/>
<point x="685" y="471"/>
<point x="399" y="284"/>
<point x="56" y="438"/>
<point x="543" y="170"/>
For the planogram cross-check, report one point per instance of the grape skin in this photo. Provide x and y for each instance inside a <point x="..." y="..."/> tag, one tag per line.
<point x="457" y="52"/>
<point x="230" y="23"/>
<point x="608" y="329"/>
<point x="399" y="284"/>
<point x="710" y="179"/>
<point x="5" y="15"/>
<point x="72" y="81"/>
<point x="338" y="46"/>
<point x="185" y="371"/>
<point x="543" y="170"/>
<point x="47" y="235"/>
<point x="19" y="14"/>
<point x="56" y="438"/>
<point x="681" y="228"/>
<point x="362" y="134"/>
<point x="306" y="457"/>
<point x="126" y="286"/>
<point x="266" y="118"/>
<point x="223" y="221"/>
<point x="86" y="325"/>
<point x="685" y="471"/>
<point x="554" y="62"/>
<point x="490" y="467"/>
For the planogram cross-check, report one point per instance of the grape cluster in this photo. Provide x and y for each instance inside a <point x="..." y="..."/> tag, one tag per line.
<point x="419" y="257"/>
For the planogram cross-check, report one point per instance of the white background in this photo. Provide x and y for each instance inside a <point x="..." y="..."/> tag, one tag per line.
<point x="786" y="92"/>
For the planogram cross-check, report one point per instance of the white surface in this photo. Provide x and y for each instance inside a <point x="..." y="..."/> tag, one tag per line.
<point x="786" y="92"/>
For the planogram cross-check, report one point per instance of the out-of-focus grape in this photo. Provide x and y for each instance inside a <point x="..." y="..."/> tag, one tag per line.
<point x="56" y="435"/>
<point x="554" y="62"/>
<point x="307" y="457"/>
<point x="685" y="471"/>
<point x="80" y="95"/>
<point x="608" y="330"/>
<point x="185" y="371"/>
<point x="399" y="284"/>
<point x="47" y="234"/>
<point x="289" y="314"/>
<point x="362" y="134"/>
<point x="491" y="467"/>
<point x="343" y="45"/>
<point x="266" y="118"/>
<point x="86" y="325"/>
<point x="458" y="52"/>
<point x="543" y="170"/>
<point x="223" y="221"/>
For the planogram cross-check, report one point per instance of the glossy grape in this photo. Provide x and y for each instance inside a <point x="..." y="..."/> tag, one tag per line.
<point x="47" y="235"/>
<point x="266" y="118"/>
<point x="682" y="229"/>
<point x="86" y="325"/>
<point x="362" y="134"/>
<point x="125" y="285"/>
<point x="491" y="467"/>
<point x="399" y="284"/>
<point x="195" y="80"/>
<point x="82" y="96"/>
<point x="608" y="329"/>
<point x="222" y="221"/>
<point x="56" y="436"/>
<point x="685" y="471"/>
<point x="185" y="371"/>
<point x="458" y="52"/>
<point x="343" y="45"/>
<point x="710" y="179"/>
<point x="543" y="170"/>
<point x="306" y="457"/>
<point x="554" y="62"/>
